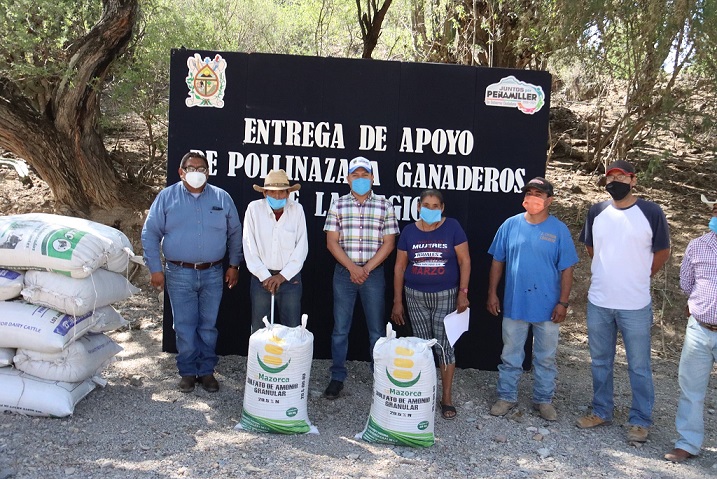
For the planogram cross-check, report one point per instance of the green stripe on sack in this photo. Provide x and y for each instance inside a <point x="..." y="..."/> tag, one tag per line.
<point x="276" y="426"/>
<point x="376" y="433"/>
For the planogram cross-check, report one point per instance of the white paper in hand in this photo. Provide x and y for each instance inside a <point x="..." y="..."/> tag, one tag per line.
<point x="456" y="324"/>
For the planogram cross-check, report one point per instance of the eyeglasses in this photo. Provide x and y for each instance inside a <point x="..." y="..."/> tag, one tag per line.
<point x="611" y="178"/>
<point x="192" y="169"/>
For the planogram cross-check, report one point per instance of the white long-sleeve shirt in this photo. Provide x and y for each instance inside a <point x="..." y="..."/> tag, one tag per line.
<point x="274" y="245"/>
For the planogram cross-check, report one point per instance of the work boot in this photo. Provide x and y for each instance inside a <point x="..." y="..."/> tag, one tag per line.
<point x="186" y="384"/>
<point x="209" y="383"/>
<point x="546" y="411"/>
<point x="501" y="408"/>
<point x="591" y="420"/>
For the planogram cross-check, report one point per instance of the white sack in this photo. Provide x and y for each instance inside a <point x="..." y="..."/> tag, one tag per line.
<point x="31" y="396"/>
<point x="24" y="325"/>
<point x="76" y="296"/>
<point x="404" y="392"/>
<point x="277" y="380"/>
<point x="10" y="284"/>
<point x="79" y="361"/>
<point x="6" y="355"/>
<point x="107" y="319"/>
<point x="33" y="244"/>
<point x="117" y="245"/>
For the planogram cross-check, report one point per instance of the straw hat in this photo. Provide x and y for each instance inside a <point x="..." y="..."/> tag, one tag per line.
<point x="276" y="180"/>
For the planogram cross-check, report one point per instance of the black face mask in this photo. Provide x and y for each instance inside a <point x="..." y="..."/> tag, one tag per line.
<point x="618" y="190"/>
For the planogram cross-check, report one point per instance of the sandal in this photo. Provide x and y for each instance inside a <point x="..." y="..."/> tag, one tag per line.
<point x="447" y="411"/>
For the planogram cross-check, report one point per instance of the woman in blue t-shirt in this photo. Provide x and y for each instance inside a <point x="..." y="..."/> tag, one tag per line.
<point x="433" y="267"/>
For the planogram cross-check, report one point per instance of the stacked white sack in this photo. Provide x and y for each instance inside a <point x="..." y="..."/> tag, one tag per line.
<point x="63" y="244"/>
<point x="81" y="360"/>
<point x="31" y="396"/>
<point x="6" y="355"/>
<point x="404" y="392"/>
<point x="277" y="380"/>
<point x="76" y="296"/>
<point x="11" y="283"/>
<point x="118" y="248"/>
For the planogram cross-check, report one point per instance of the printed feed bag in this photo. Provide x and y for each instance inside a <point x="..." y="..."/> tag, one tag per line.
<point x="117" y="245"/>
<point x="10" y="284"/>
<point x="31" y="396"/>
<point x="33" y="244"/>
<point x="404" y="392"/>
<point x="76" y="296"/>
<point x="277" y="380"/>
<point x="6" y="355"/>
<point x="81" y="360"/>
<point x="29" y="326"/>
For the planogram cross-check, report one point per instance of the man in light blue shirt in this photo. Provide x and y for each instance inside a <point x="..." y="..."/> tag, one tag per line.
<point x="194" y="224"/>
<point x="537" y="253"/>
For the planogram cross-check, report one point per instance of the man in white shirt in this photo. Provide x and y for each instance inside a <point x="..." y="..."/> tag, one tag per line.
<point x="275" y="247"/>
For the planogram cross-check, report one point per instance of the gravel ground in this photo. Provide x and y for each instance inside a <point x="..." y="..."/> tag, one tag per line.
<point x="141" y="426"/>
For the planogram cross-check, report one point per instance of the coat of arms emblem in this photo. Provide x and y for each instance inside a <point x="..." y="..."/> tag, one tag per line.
<point x="206" y="80"/>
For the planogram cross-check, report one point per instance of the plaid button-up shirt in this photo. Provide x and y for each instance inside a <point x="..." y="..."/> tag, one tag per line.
<point x="698" y="277"/>
<point x="361" y="227"/>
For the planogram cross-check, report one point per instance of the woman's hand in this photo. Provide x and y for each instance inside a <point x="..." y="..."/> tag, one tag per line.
<point x="397" y="314"/>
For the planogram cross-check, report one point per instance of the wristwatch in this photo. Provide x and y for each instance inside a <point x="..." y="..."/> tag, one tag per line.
<point x="564" y="305"/>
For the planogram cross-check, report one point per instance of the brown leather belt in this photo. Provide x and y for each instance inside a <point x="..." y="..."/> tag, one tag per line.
<point x="198" y="266"/>
<point x="711" y="327"/>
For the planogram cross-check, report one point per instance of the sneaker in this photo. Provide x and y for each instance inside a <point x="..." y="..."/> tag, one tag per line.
<point x="546" y="411"/>
<point x="637" y="433"/>
<point x="209" y="383"/>
<point x="333" y="389"/>
<point x="186" y="384"/>
<point x="591" y="420"/>
<point x="501" y="408"/>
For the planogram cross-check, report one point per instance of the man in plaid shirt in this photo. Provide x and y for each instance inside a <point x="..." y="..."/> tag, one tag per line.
<point x="361" y="229"/>
<point x="698" y="279"/>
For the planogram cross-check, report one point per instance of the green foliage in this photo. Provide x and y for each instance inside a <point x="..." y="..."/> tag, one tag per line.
<point x="37" y="38"/>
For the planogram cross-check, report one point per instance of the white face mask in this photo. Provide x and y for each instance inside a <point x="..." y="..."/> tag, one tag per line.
<point x="195" y="179"/>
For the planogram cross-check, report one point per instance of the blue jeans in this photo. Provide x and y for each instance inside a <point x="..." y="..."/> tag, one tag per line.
<point x="287" y="303"/>
<point x="699" y="353"/>
<point x="195" y="297"/>
<point x="634" y="325"/>
<point x="372" y="293"/>
<point x="545" y="345"/>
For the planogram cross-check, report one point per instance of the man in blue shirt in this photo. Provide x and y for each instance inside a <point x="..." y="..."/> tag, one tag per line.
<point x="537" y="253"/>
<point x="195" y="224"/>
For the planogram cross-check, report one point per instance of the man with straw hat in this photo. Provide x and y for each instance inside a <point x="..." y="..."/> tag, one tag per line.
<point x="275" y="247"/>
<point x="698" y="279"/>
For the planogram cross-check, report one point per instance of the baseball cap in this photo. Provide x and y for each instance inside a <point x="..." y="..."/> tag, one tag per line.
<point x="539" y="184"/>
<point x="360" y="162"/>
<point x="622" y="166"/>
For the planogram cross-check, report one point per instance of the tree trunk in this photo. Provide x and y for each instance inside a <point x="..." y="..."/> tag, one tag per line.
<point x="62" y="140"/>
<point x="371" y="22"/>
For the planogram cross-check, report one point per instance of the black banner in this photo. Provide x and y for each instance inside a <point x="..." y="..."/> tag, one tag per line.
<point x="477" y="134"/>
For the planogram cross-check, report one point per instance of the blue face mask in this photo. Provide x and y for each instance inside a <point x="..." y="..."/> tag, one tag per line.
<point x="713" y="224"/>
<point x="276" y="204"/>
<point x="430" y="216"/>
<point x="361" y="186"/>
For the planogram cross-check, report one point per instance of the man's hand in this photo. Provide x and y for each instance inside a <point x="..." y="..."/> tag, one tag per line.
<point x="493" y="304"/>
<point x="559" y="313"/>
<point x="157" y="280"/>
<point x="272" y="283"/>
<point x="359" y="274"/>
<point x="231" y="277"/>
